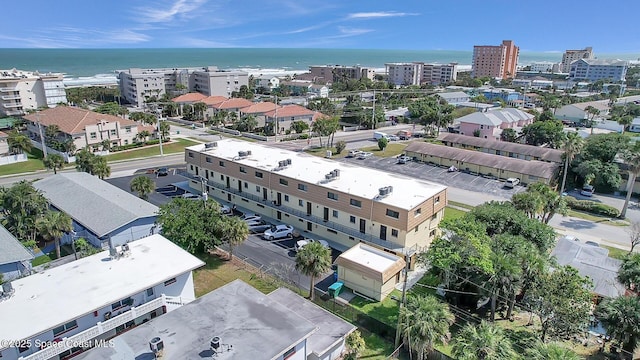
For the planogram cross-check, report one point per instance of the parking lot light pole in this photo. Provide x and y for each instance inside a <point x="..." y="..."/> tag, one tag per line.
<point x="205" y="194"/>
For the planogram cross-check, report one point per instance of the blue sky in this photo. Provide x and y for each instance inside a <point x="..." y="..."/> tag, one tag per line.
<point x="543" y="25"/>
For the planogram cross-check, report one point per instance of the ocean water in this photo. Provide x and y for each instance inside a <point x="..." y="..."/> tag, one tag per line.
<point x="99" y="65"/>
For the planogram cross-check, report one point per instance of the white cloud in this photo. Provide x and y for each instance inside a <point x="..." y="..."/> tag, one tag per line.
<point x="349" y="32"/>
<point x="378" y="14"/>
<point x="178" y="9"/>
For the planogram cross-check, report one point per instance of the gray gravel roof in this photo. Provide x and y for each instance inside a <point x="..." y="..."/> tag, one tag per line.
<point x="11" y="250"/>
<point x="94" y="203"/>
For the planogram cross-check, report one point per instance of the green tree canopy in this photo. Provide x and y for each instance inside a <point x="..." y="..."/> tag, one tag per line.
<point x="548" y="133"/>
<point x="22" y="206"/>
<point x="143" y="186"/>
<point x="551" y="351"/>
<point x="629" y="272"/>
<point x="111" y="108"/>
<point x="54" y="162"/>
<point x="52" y="226"/>
<point x="621" y="318"/>
<point x="424" y="323"/>
<point x="484" y="341"/>
<point x="313" y="260"/>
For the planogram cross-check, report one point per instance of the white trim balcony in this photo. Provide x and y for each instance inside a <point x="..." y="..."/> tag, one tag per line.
<point x="11" y="97"/>
<point x="102" y="327"/>
<point x="7" y="89"/>
<point x="11" y="105"/>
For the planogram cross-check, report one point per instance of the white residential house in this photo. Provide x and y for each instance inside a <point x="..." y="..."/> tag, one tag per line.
<point x="578" y="112"/>
<point x="236" y="321"/>
<point x="94" y="298"/>
<point x="455" y="97"/>
<point x="320" y="91"/>
<point x="267" y="82"/>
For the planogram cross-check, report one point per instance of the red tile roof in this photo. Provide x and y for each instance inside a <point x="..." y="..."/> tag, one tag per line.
<point x="149" y="128"/>
<point x="73" y="120"/>
<point x="259" y="108"/>
<point x="214" y="100"/>
<point x="290" y="111"/>
<point x="190" y="97"/>
<point x="233" y="103"/>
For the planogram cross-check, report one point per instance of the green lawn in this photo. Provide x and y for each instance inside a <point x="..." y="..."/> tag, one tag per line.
<point x="460" y="205"/>
<point x="385" y="311"/>
<point x="40" y="260"/>
<point x="392" y="149"/>
<point x="176" y="146"/>
<point x="453" y="213"/>
<point x="322" y="151"/>
<point x="615" y="252"/>
<point x="597" y="218"/>
<point x="34" y="163"/>
<point x="376" y="348"/>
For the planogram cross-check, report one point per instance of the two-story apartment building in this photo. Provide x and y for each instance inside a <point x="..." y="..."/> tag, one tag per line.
<point x="101" y="212"/>
<point x="489" y="124"/>
<point x="502" y="148"/>
<point x="72" y="307"/>
<point x="85" y="128"/>
<point x="343" y="203"/>
<point x="236" y="321"/>
<point x="284" y="116"/>
<point x="25" y="90"/>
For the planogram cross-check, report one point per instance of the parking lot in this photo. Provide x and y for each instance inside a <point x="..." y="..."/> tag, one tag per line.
<point x="439" y="175"/>
<point x="276" y="257"/>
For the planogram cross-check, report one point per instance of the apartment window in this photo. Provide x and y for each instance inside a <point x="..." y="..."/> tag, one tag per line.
<point x="417" y="212"/>
<point x="257" y="188"/>
<point x="286" y="198"/>
<point x="169" y="282"/>
<point x="334" y="213"/>
<point x="356" y="203"/>
<point x="150" y="292"/>
<point x="302" y="187"/>
<point x="300" y="202"/>
<point x="437" y="200"/>
<point x="127" y="130"/>
<point x="221" y="163"/>
<point x="208" y="159"/>
<point x="284" y="182"/>
<point x="332" y="196"/>
<point x="432" y="232"/>
<point x="394" y="232"/>
<point x="221" y="177"/>
<point x="243" y="170"/>
<point x="64" y="328"/>
<point x="93" y="135"/>
<point x="126" y="142"/>
<point x="259" y="174"/>
<point x="289" y="353"/>
<point x="392" y="213"/>
<point x="122" y="303"/>
<point x="352" y="219"/>
<point x="246" y="185"/>
<point x="112" y="132"/>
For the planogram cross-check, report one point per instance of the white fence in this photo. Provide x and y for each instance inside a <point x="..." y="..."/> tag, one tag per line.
<point x="11" y="159"/>
<point x="67" y="158"/>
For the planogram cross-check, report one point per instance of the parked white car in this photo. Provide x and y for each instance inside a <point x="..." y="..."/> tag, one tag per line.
<point x="225" y="209"/>
<point x="250" y="217"/>
<point x="191" y="196"/>
<point x="392" y="138"/>
<point x="304" y="242"/>
<point x="364" y="155"/>
<point x="354" y="153"/>
<point x="512" y="182"/>
<point x="278" y="232"/>
<point x="587" y="190"/>
<point x="403" y="159"/>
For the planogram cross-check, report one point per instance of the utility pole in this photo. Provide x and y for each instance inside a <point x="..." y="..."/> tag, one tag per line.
<point x="44" y="145"/>
<point x="373" y="111"/>
<point x="276" y="126"/>
<point x="159" y="112"/>
<point x="404" y="299"/>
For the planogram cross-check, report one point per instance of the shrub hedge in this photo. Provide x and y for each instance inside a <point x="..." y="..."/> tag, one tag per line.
<point x="591" y="207"/>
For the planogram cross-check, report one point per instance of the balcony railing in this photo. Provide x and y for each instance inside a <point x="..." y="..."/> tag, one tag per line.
<point x="104" y="326"/>
<point x="12" y="105"/>
<point x="8" y="89"/>
<point x="303" y="215"/>
<point x="11" y="97"/>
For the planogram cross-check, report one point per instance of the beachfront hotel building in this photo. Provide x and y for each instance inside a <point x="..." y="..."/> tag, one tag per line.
<point x="64" y="310"/>
<point x="339" y="73"/>
<point x="418" y="73"/>
<point x="495" y="61"/>
<point x="139" y="85"/>
<point x="25" y="90"/>
<point x="570" y="56"/>
<point x="598" y="69"/>
<point x="343" y="203"/>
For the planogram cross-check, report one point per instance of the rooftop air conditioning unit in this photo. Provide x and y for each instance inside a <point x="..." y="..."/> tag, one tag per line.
<point x="329" y="176"/>
<point x="156" y="345"/>
<point x="242" y="154"/>
<point x="288" y="161"/>
<point x="211" y="145"/>
<point x="248" y="152"/>
<point x="384" y="191"/>
<point x="336" y="173"/>
<point x="215" y="344"/>
<point x="7" y="288"/>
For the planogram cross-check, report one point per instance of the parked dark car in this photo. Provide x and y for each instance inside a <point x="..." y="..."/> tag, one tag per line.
<point x="163" y="171"/>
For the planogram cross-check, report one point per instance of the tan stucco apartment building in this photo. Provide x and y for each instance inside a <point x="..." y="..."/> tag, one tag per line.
<point x="495" y="61"/>
<point x="343" y="203"/>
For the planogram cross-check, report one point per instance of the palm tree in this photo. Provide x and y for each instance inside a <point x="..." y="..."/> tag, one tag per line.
<point x="52" y="226"/>
<point x="591" y="113"/>
<point x="313" y="260"/>
<point x="621" y="318"/>
<point x="234" y="231"/>
<point x="482" y="342"/>
<point x="424" y="323"/>
<point x="143" y="135"/>
<point x="631" y="158"/>
<point x="629" y="272"/>
<point x="19" y="143"/>
<point x="571" y="145"/>
<point x="164" y="130"/>
<point x="22" y="205"/>
<point x="551" y="351"/>
<point x="53" y="162"/>
<point x="143" y="186"/>
<point x="100" y="168"/>
<point x="199" y="108"/>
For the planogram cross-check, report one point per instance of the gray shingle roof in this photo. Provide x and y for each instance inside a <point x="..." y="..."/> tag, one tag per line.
<point x="540" y="169"/>
<point x="11" y="250"/>
<point x="453" y="95"/>
<point x="96" y="204"/>
<point x="545" y="154"/>
<point x="591" y="261"/>
<point x="496" y="117"/>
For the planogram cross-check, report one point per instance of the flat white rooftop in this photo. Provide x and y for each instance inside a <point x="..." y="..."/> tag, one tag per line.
<point x="356" y="180"/>
<point x="56" y="296"/>
<point x="371" y="261"/>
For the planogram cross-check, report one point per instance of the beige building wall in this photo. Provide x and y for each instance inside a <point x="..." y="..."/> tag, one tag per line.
<point x="366" y="286"/>
<point x="354" y="216"/>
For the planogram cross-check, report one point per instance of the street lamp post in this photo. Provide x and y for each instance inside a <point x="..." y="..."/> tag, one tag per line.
<point x="159" y="112"/>
<point x="74" y="235"/>
<point x="205" y="194"/>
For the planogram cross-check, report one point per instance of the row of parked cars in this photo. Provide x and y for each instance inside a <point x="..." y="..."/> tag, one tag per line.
<point x="276" y="232"/>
